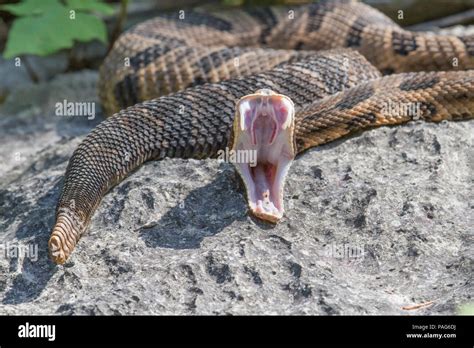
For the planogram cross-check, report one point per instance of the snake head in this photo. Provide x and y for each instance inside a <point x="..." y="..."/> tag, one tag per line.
<point x="263" y="130"/>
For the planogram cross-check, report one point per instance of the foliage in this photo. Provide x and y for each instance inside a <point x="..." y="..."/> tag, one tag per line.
<point x="47" y="26"/>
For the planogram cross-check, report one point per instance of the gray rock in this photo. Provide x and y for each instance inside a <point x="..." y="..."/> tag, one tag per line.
<point x="13" y="75"/>
<point x="28" y="120"/>
<point x="175" y="237"/>
<point x="45" y="68"/>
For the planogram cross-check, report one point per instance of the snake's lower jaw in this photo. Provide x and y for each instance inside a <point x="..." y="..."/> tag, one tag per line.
<point x="265" y="189"/>
<point x="270" y="216"/>
<point x="264" y="127"/>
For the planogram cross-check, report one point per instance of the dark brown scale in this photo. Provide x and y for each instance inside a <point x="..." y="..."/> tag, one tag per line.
<point x="126" y="91"/>
<point x="428" y="110"/>
<point x="354" y="97"/>
<point x="354" y="37"/>
<point x="144" y="58"/>
<point x="265" y="16"/>
<point x="403" y="42"/>
<point x="192" y="18"/>
<point x="362" y="121"/>
<point x="469" y="43"/>
<point x="317" y="12"/>
<point x="419" y="82"/>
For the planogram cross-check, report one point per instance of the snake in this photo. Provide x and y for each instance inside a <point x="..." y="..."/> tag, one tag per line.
<point x="274" y="80"/>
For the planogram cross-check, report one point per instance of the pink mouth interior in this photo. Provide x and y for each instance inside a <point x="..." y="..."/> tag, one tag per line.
<point x="266" y="128"/>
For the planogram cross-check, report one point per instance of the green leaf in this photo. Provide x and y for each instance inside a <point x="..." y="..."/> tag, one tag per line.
<point x="53" y="31"/>
<point x="30" y="7"/>
<point x="91" y="5"/>
<point x="45" y="41"/>
<point x="88" y="27"/>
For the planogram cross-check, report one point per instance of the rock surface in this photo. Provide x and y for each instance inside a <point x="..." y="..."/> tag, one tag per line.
<point x="175" y="237"/>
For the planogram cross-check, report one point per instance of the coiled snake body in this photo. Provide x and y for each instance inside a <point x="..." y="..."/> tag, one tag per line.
<point x="316" y="54"/>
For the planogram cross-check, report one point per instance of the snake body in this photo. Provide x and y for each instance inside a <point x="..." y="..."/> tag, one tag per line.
<point x="183" y="49"/>
<point x="198" y="65"/>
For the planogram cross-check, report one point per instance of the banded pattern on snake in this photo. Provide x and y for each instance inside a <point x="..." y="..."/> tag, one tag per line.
<point x="335" y="92"/>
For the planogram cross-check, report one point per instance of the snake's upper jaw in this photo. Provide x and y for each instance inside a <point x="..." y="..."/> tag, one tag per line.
<point x="263" y="129"/>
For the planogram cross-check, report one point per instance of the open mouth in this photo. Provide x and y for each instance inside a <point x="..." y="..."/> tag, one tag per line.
<point x="264" y="126"/>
